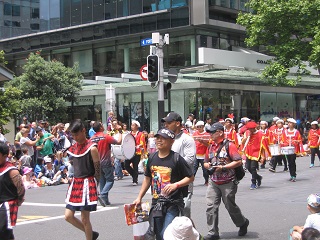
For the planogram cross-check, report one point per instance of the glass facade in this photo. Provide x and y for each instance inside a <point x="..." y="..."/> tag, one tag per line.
<point x="25" y="17"/>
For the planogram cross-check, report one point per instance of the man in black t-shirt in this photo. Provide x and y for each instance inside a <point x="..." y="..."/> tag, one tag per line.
<point x="166" y="173"/>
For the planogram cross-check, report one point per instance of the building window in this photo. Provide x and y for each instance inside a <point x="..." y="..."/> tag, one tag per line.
<point x="15" y="10"/>
<point x="7" y="9"/>
<point x="35" y="13"/>
<point x="35" y="26"/>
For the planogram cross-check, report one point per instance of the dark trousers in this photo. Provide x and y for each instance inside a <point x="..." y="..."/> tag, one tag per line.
<point x="314" y="151"/>
<point x="279" y="158"/>
<point x="292" y="164"/>
<point x="204" y="170"/>
<point x="252" y="167"/>
<point x="133" y="171"/>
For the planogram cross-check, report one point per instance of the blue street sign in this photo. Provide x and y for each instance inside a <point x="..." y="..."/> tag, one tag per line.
<point x="145" y="42"/>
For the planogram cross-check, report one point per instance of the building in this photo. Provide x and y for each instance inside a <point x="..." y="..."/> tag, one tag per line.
<point x="218" y="74"/>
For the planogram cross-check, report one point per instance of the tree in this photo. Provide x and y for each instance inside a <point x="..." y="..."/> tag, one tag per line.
<point x="2" y="61"/>
<point x="46" y="88"/>
<point x="290" y="31"/>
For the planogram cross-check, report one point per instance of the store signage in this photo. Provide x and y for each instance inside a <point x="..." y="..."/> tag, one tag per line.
<point x="313" y="97"/>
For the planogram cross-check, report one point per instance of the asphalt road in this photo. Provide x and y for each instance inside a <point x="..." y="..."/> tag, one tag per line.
<point x="272" y="209"/>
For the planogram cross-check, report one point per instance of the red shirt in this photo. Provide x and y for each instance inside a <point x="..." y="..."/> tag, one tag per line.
<point x="103" y="141"/>
<point x="256" y="143"/>
<point x="201" y="149"/>
<point x="313" y="138"/>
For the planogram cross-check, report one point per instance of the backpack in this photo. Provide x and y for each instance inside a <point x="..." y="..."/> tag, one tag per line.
<point x="176" y="156"/>
<point x="239" y="171"/>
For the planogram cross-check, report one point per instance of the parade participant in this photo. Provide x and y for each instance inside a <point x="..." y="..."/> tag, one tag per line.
<point x="314" y="141"/>
<point x="186" y="147"/>
<point x="201" y="138"/>
<point x="242" y="126"/>
<point x="265" y="131"/>
<point x="292" y="138"/>
<point x="254" y="141"/>
<point x="116" y="131"/>
<point x="139" y="144"/>
<point x="222" y="183"/>
<point x="106" y="163"/>
<point x="11" y="194"/>
<point x="278" y="138"/>
<point x="82" y="193"/>
<point x="166" y="172"/>
<point x="229" y="131"/>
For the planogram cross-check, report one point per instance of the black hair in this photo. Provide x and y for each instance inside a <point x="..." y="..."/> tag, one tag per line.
<point x="76" y="126"/>
<point x="96" y="126"/>
<point x="39" y="160"/>
<point x="4" y="149"/>
<point x="310" y="234"/>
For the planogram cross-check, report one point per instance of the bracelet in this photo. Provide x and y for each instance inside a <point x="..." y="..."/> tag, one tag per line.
<point x="178" y="185"/>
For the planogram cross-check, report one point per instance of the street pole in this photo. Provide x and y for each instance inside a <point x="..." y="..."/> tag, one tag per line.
<point x="160" y="83"/>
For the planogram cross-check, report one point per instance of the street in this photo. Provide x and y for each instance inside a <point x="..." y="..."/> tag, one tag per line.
<point x="272" y="209"/>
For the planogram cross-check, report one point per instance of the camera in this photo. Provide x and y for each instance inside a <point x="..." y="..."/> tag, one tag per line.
<point x="212" y="168"/>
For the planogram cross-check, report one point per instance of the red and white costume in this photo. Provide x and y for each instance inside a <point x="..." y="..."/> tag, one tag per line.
<point x="293" y="138"/>
<point x="83" y="189"/>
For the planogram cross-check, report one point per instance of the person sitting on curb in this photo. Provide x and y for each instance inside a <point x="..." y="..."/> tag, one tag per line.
<point x="313" y="220"/>
<point x="181" y="228"/>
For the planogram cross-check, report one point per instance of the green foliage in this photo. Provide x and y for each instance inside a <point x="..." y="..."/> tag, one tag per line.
<point x="46" y="87"/>
<point x="290" y="31"/>
<point x="2" y="61"/>
<point x="9" y="104"/>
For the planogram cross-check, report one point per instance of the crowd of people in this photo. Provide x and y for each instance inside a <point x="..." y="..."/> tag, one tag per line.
<point x="67" y="153"/>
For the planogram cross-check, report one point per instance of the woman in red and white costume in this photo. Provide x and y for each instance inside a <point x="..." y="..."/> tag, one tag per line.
<point x="314" y="141"/>
<point x="264" y="155"/>
<point x="292" y="137"/>
<point x="229" y="131"/>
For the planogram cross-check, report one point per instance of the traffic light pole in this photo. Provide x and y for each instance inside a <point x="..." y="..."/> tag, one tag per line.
<point x="160" y="83"/>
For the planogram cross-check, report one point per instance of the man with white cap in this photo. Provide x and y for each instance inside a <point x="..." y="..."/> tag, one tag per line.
<point x="278" y="138"/>
<point x="140" y="147"/>
<point x="292" y="138"/>
<point x="314" y="141"/>
<point x="201" y="138"/>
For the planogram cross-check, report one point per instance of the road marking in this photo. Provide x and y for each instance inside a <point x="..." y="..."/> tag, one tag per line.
<point x="35" y="219"/>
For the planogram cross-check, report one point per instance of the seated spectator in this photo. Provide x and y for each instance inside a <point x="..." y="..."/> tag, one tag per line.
<point x="313" y="220"/>
<point x="28" y="178"/>
<point x="57" y="160"/>
<point x="25" y="159"/>
<point x="39" y="167"/>
<point x="48" y="173"/>
<point x="310" y="234"/>
<point x="181" y="228"/>
<point x="63" y="175"/>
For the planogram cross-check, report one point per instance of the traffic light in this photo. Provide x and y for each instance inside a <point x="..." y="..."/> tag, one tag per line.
<point x="166" y="88"/>
<point x="153" y="68"/>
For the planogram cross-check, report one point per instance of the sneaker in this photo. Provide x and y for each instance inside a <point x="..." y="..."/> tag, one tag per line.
<point x="102" y="202"/>
<point x="285" y="169"/>
<point x="95" y="235"/>
<point x="293" y="179"/>
<point x="205" y="184"/>
<point x="244" y="228"/>
<point x="253" y="186"/>
<point x="134" y="184"/>
<point x="211" y="237"/>
<point x="311" y="165"/>
<point x="116" y="178"/>
<point x="290" y="179"/>
<point x="272" y="170"/>
<point x="263" y="166"/>
<point x="259" y="181"/>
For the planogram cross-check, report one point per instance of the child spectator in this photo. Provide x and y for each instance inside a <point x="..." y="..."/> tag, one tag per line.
<point x="151" y="143"/>
<point x="313" y="220"/>
<point x="25" y="159"/>
<point x="48" y="173"/>
<point x="63" y="175"/>
<point x="39" y="166"/>
<point x="28" y="180"/>
<point x="310" y="234"/>
<point x="58" y="162"/>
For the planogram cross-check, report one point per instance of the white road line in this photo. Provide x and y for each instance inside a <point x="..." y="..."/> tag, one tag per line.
<point x="100" y="209"/>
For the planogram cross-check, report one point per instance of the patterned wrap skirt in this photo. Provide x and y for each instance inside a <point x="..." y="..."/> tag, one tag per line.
<point x="82" y="192"/>
<point x="8" y="214"/>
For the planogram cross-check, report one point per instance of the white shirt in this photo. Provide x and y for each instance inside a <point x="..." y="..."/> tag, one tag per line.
<point x="23" y="141"/>
<point x="313" y="221"/>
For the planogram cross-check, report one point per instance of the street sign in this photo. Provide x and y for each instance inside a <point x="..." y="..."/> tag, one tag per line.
<point x="144" y="72"/>
<point x="172" y="75"/>
<point x="145" y="42"/>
